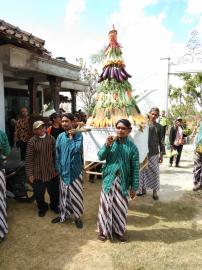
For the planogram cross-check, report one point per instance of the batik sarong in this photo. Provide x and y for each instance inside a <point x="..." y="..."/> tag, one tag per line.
<point x="113" y="210"/>
<point x="3" y="214"/>
<point x="197" y="170"/>
<point x="71" y="199"/>
<point x="149" y="177"/>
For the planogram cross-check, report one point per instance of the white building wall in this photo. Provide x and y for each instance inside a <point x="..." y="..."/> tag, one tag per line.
<point x="156" y="86"/>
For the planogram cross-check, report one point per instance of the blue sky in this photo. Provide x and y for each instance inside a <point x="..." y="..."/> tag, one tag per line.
<point x="96" y="14"/>
<point x="147" y="29"/>
<point x="175" y="11"/>
<point x="51" y="13"/>
<point x="45" y="12"/>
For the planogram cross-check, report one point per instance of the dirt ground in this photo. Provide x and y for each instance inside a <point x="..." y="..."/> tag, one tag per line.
<point x="161" y="235"/>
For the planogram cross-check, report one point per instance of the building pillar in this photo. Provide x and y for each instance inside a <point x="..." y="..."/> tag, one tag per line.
<point x="32" y="87"/>
<point x="55" y="85"/>
<point x="2" y="99"/>
<point x="73" y="98"/>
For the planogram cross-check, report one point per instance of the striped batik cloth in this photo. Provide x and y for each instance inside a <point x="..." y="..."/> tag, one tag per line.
<point x="197" y="169"/>
<point x="149" y="177"/>
<point x="3" y="214"/>
<point x="71" y="199"/>
<point x="113" y="208"/>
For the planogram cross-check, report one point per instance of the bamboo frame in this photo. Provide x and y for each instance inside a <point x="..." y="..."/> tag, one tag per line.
<point x="88" y="167"/>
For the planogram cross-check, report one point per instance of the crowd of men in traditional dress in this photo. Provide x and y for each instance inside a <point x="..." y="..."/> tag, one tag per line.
<point x="54" y="162"/>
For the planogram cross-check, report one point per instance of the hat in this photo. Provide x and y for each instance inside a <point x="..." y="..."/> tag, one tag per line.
<point x="37" y="124"/>
<point x="179" y="118"/>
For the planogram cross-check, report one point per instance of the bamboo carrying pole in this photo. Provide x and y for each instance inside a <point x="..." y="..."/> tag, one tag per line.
<point x="74" y="131"/>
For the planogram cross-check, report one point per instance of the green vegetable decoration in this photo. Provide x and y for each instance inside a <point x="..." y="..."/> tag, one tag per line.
<point x="114" y="96"/>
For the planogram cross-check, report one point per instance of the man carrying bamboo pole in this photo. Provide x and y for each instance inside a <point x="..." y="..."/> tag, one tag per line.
<point x="69" y="165"/>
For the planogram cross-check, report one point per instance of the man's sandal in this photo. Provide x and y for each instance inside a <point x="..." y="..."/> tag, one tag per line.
<point x="121" y="238"/>
<point x="102" y="237"/>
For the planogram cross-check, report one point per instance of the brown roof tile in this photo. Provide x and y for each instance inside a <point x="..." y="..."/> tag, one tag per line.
<point x="10" y="34"/>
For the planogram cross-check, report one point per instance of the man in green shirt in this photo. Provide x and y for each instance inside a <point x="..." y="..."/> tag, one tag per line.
<point x="120" y="178"/>
<point x="164" y="122"/>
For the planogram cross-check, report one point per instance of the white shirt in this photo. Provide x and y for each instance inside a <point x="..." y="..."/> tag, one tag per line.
<point x="179" y="136"/>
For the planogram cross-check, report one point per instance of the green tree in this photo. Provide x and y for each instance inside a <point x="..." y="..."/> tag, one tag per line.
<point x="98" y="57"/>
<point x="193" y="86"/>
<point x="186" y="99"/>
<point x="89" y="75"/>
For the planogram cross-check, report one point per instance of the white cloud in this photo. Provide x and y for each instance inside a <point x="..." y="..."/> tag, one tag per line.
<point x="194" y="7"/>
<point x="198" y="27"/>
<point x="144" y="38"/>
<point x="187" y="19"/>
<point x="78" y="41"/>
<point x="72" y="40"/>
<point x="74" y="9"/>
<point x="193" y="11"/>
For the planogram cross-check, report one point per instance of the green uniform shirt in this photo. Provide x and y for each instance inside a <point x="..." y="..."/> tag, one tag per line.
<point x="163" y="121"/>
<point x="4" y="145"/>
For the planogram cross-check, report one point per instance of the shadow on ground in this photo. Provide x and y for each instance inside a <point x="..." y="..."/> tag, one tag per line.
<point x="176" y="171"/>
<point x="154" y="212"/>
<point x="35" y="243"/>
<point x="167" y="235"/>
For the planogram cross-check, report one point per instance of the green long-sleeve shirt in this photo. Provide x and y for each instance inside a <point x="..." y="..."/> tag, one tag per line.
<point x="4" y="145"/>
<point x="122" y="158"/>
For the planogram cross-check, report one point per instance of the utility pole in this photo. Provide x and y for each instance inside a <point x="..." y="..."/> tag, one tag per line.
<point x="167" y="83"/>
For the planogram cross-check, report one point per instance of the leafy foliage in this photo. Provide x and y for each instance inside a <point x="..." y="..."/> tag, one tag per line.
<point x="98" y="57"/>
<point x="193" y="86"/>
<point x="186" y="99"/>
<point x="90" y="76"/>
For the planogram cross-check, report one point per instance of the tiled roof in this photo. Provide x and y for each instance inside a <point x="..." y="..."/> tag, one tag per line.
<point x="10" y="34"/>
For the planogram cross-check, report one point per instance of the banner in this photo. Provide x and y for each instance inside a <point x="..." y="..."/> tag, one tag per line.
<point x="94" y="140"/>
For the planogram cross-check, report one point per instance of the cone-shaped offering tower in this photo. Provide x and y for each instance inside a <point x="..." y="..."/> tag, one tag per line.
<point x="114" y="96"/>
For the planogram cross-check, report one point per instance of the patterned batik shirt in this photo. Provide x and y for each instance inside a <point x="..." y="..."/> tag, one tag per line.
<point x="22" y="129"/>
<point x="122" y="159"/>
<point x="40" y="158"/>
<point x="68" y="157"/>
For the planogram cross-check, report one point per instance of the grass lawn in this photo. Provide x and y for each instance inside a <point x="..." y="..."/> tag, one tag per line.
<point x="160" y="236"/>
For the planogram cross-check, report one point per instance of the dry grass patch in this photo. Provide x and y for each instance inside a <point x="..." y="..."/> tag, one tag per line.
<point x="160" y="236"/>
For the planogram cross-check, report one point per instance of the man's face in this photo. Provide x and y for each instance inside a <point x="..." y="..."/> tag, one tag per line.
<point x="153" y="116"/>
<point x="41" y="131"/>
<point x="75" y="122"/>
<point x="122" y="131"/>
<point x="57" y="119"/>
<point x="24" y="112"/>
<point x="163" y="113"/>
<point x="66" y="123"/>
<point x="178" y="123"/>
